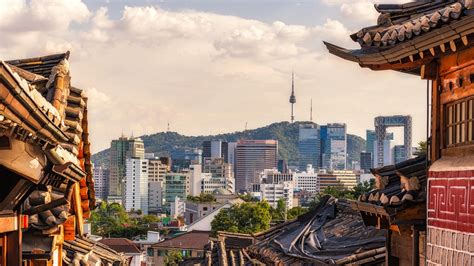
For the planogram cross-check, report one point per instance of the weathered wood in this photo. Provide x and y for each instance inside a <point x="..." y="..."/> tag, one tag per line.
<point x="70" y="228"/>
<point x="40" y="208"/>
<point x="78" y="209"/>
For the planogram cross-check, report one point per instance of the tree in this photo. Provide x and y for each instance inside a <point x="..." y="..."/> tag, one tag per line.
<point x="363" y="188"/>
<point x="248" y="217"/>
<point x="203" y="197"/>
<point x="422" y="148"/>
<point x="173" y="257"/>
<point x="248" y="198"/>
<point x="295" y="212"/>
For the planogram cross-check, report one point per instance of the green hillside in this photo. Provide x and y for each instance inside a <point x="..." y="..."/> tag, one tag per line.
<point x="172" y="143"/>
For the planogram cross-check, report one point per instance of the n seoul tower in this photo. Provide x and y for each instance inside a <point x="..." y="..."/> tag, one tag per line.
<point x="292" y="97"/>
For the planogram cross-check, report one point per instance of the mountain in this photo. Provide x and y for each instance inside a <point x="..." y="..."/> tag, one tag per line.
<point x="172" y="143"/>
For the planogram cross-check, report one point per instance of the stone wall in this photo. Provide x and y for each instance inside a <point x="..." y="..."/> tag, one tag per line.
<point x="449" y="247"/>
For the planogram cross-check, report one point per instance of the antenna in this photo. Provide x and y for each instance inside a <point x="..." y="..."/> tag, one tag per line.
<point x="168" y="129"/>
<point x="311" y="111"/>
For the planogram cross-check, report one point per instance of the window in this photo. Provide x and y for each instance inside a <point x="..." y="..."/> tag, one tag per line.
<point x="459" y="123"/>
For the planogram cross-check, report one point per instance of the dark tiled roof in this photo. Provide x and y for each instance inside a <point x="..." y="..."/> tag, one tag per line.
<point x="412" y="168"/>
<point x="121" y="245"/>
<point x="40" y="65"/>
<point x="410" y="35"/>
<point x="396" y="25"/>
<point x="332" y="233"/>
<point x="82" y="246"/>
<point x="195" y="240"/>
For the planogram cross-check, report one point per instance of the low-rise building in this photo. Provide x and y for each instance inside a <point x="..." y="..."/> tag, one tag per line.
<point x="190" y="244"/>
<point x="127" y="247"/>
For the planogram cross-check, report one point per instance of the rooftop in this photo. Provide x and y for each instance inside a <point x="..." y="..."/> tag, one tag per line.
<point x="194" y="240"/>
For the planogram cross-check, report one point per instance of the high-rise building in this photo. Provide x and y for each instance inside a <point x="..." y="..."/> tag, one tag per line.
<point x="120" y="150"/>
<point x="221" y="173"/>
<point x="231" y="146"/>
<point x="176" y="185"/>
<point x="334" y="146"/>
<point x="156" y="178"/>
<point x="399" y="154"/>
<point x="309" y="146"/>
<point x="136" y="185"/>
<point x="307" y="180"/>
<point x="215" y="149"/>
<point x="101" y="182"/>
<point x="387" y="153"/>
<point x="252" y="157"/>
<point x="366" y="161"/>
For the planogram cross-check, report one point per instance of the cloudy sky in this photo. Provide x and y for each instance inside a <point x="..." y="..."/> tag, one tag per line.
<point x="210" y="66"/>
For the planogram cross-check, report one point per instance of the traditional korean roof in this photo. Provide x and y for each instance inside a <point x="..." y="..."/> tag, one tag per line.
<point x="57" y="123"/>
<point x="85" y="251"/>
<point x="408" y="36"/>
<point x="400" y="187"/>
<point x="333" y="233"/>
<point x="40" y="65"/>
<point x="194" y="240"/>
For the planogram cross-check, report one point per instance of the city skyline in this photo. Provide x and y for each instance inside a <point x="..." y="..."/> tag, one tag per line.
<point x="215" y="57"/>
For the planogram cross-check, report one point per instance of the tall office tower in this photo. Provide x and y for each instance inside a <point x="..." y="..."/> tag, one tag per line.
<point x="309" y="146"/>
<point x="370" y="137"/>
<point x="120" y="150"/>
<point x="366" y="161"/>
<point x="399" y="154"/>
<point x="387" y="153"/>
<point x="334" y="146"/>
<point x="156" y="178"/>
<point x="136" y="184"/>
<point x="252" y="157"/>
<point x="101" y="182"/>
<point x="176" y="185"/>
<point x="215" y="149"/>
<point x="231" y="146"/>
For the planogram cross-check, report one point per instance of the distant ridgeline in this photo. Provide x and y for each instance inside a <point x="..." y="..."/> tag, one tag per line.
<point x="173" y="144"/>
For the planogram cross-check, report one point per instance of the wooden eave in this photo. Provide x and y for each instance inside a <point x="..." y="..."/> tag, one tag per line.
<point x="410" y="55"/>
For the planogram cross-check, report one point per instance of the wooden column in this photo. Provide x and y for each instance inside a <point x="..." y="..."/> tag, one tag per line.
<point x="415" y="246"/>
<point x="436" y="134"/>
<point x="13" y="244"/>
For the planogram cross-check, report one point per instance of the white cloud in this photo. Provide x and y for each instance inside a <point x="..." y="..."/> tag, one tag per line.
<point x="203" y="72"/>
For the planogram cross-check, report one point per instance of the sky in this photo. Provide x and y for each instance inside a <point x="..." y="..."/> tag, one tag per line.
<point x="211" y="66"/>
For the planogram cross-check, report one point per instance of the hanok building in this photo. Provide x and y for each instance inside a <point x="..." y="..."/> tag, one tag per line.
<point x="434" y="40"/>
<point x="46" y="189"/>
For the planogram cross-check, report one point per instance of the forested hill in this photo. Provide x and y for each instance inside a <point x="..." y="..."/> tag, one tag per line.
<point x="172" y="143"/>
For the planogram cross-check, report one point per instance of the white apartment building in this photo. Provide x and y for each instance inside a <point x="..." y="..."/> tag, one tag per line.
<point x="273" y="192"/>
<point x="136" y="184"/>
<point x="177" y="207"/>
<point x="307" y="180"/>
<point x="209" y="184"/>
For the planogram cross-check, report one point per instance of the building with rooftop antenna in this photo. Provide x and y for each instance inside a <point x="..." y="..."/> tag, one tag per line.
<point x="292" y="97"/>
